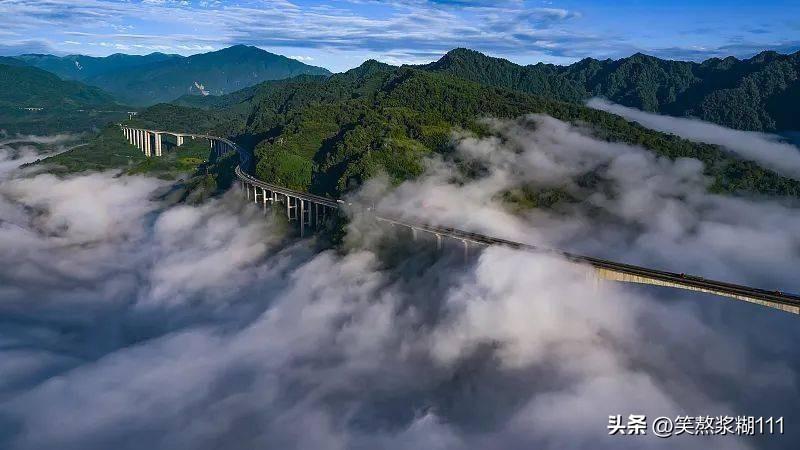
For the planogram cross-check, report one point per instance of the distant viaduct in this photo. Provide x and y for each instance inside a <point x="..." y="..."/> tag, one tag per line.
<point x="310" y="211"/>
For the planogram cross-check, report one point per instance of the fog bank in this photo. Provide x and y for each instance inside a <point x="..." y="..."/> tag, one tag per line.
<point x="131" y="323"/>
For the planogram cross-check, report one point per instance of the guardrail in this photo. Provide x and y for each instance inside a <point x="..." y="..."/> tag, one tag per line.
<point x="607" y="269"/>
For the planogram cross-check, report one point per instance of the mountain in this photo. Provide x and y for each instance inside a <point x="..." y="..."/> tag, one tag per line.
<point x="759" y="93"/>
<point x="328" y="135"/>
<point x="145" y="80"/>
<point x="34" y="101"/>
<point x="9" y="61"/>
<point x="29" y="87"/>
<point x="82" y="68"/>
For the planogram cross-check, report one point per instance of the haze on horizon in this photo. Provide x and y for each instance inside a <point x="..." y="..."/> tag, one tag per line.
<point x="341" y="35"/>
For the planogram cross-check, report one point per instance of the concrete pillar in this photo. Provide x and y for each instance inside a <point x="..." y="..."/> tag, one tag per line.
<point x="148" y="150"/>
<point x="438" y="242"/>
<point x="264" y="198"/>
<point x="179" y="139"/>
<point x="302" y="217"/>
<point x="413" y="234"/>
<point x="466" y="251"/>
<point x="157" y="143"/>
<point x="288" y="208"/>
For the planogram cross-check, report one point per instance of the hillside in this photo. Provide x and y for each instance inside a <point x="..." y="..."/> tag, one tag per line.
<point x="329" y="135"/>
<point x="23" y="86"/>
<point x="145" y="80"/>
<point x="56" y="105"/>
<point x="759" y="93"/>
<point x="82" y="67"/>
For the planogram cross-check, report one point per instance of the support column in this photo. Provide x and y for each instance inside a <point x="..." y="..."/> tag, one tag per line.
<point x="157" y="141"/>
<point x="438" y="242"/>
<point x="264" y="198"/>
<point x="179" y="140"/>
<point x="466" y="251"/>
<point x="148" y="150"/>
<point x="413" y="234"/>
<point x="302" y="217"/>
<point x="288" y="208"/>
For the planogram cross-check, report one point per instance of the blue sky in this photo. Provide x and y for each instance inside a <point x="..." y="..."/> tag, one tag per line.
<point x="340" y="34"/>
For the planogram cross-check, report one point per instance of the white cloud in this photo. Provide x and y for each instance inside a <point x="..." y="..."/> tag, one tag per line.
<point x="206" y="326"/>
<point x="763" y="148"/>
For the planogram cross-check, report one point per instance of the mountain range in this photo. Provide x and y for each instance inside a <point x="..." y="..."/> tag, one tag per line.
<point x="329" y="134"/>
<point x="157" y="77"/>
<point x="35" y="101"/>
<point x="760" y="93"/>
<point x="757" y="94"/>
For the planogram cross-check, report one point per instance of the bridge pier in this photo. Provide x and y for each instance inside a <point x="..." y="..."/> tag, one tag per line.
<point x="157" y="142"/>
<point x="148" y="144"/>
<point x="302" y="217"/>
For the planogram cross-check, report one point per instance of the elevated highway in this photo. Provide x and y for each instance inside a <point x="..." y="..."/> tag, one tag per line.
<point x="310" y="211"/>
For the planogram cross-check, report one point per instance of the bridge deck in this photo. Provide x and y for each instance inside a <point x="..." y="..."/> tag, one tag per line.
<point x="611" y="270"/>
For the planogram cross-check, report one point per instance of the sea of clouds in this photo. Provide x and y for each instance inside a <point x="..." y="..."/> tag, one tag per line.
<point x="130" y="322"/>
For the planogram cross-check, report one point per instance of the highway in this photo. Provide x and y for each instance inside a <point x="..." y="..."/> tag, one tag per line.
<point x="606" y="269"/>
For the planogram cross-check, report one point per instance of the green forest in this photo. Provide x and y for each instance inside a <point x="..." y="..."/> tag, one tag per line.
<point x="328" y="135"/>
<point x="760" y="93"/>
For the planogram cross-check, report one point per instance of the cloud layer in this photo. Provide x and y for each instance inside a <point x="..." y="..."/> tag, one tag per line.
<point x="130" y="323"/>
<point x="765" y="149"/>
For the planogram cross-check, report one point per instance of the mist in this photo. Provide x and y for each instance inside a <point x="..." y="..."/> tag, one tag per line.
<point x="128" y="322"/>
<point x="766" y="149"/>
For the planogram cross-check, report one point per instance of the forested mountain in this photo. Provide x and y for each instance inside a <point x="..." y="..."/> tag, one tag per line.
<point x="9" y="61"/>
<point x="82" y="67"/>
<point x="54" y="105"/>
<point x="144" y="80"/>
<point x="327" y="135"/>
<point x="24" y="86"/>
<point x="760" y="93"/>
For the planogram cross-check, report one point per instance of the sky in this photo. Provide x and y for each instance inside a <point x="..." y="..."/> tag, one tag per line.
<point x="340" y="34"/>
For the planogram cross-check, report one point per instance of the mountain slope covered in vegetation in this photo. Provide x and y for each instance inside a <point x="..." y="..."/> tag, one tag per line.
<point x="145" y="80"/>
<point x="760" y="93"/>
<point x="34" y="101"/>
<point x="328" y="135"/>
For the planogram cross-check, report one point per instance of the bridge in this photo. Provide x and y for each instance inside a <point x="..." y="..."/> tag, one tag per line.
<point x="150" y="142"/>
<point x="311" y="211"/>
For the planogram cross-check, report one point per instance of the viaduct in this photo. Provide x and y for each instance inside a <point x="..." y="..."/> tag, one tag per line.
<point x="150" y="142"/>
<point x="310" y="211"/>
